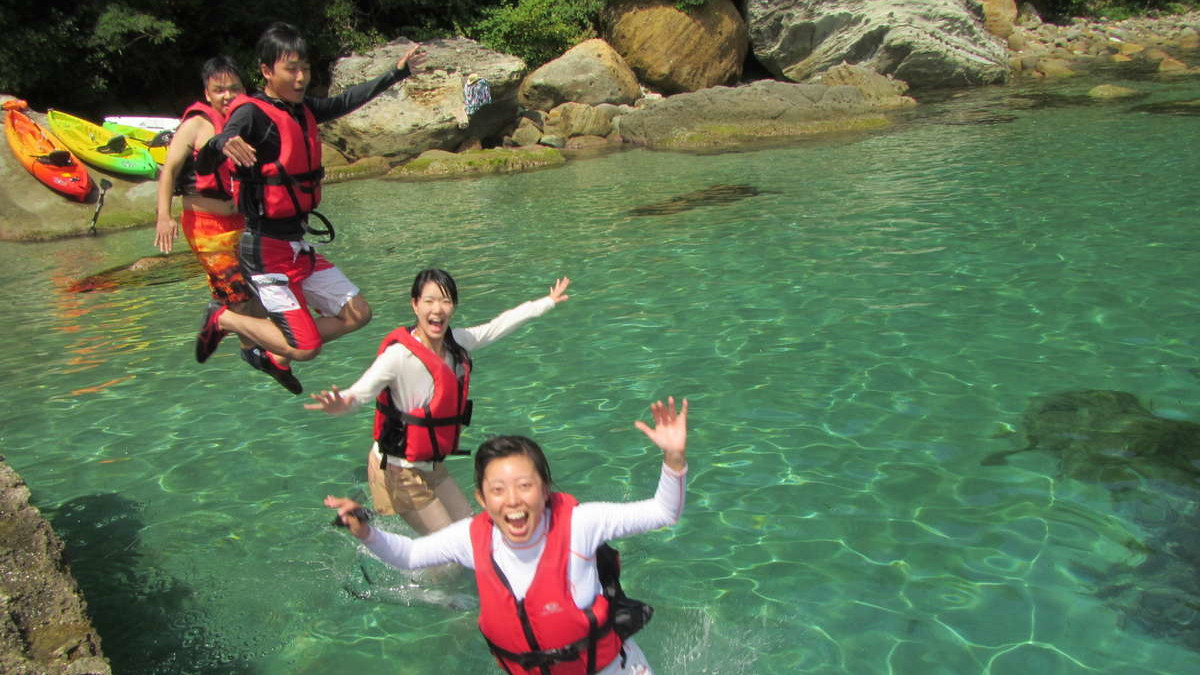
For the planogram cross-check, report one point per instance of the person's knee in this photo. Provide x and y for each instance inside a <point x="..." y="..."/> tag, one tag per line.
<point x="303" y="354"/>
<point x="357" y="313"/>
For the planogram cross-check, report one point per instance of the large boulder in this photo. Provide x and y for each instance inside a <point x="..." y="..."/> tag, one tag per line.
<point x="999" y="16"/>
<point x="591" y="72"/>
<point x="576" y="119"/>
<point x="427" y="110"/>
<point x="674" y="50"/>
<point x="720" y="117"/>
<point x="44" y="624"/>
<point x="926" y="43"/>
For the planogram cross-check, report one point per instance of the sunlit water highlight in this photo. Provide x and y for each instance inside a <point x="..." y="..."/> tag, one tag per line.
<point x="854" y="340"/>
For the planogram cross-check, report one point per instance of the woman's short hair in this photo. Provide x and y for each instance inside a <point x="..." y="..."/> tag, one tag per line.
<point x="499" y="447"/>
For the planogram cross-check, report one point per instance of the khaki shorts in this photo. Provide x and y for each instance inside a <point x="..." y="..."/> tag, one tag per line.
<point x="398" y="489"/>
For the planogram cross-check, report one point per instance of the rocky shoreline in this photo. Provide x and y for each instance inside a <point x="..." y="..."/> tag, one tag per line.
<point x="611" y="93"/>
<point x="44" y="625"/>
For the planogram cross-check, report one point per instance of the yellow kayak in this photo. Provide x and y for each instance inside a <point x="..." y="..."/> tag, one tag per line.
<point x="100" y="147"/>
<point x="154" y="141"/>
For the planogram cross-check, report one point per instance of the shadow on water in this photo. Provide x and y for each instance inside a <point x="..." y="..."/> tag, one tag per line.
<point x="1151" y="467"/>
<point x="145" y="618"/>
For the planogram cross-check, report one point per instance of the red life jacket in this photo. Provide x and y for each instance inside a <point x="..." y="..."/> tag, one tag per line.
<point x="290" y="186"/>
<point x="429" y="432"/>
<point x="216" y="185"/>
<point x="545" y="633"/>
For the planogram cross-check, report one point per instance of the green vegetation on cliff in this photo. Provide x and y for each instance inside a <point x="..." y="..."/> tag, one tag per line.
<point x="104" y="56"/>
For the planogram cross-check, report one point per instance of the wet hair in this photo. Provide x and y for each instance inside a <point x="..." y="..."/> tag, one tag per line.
<point x="219" y="65"/>
<point x="440" y="277"/>
<point x="279" y="40"/>
<point x="499" y="447"/>
<point x="445" y="282"/>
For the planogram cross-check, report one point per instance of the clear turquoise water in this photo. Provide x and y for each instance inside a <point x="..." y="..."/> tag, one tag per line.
<point x="854" y="341"/>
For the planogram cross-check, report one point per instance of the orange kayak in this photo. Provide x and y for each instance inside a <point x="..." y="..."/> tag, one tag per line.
<point x="44" y="157"/>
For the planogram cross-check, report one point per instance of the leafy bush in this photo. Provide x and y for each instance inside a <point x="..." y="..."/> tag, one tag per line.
<point x="538" y="30"/>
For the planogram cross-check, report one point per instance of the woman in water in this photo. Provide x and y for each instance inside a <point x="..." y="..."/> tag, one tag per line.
<point x="542" y="608"/>
<point x="420" y="381"/>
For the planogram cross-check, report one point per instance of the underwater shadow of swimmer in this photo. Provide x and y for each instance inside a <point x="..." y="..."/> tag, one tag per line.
<point x="713" y="195"/>
<point x="144" y="616"/>
<point x="1151" y="466"/>
<point x="150" y="271"/>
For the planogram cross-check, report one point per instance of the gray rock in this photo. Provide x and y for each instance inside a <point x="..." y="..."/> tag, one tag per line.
<point x="727" y="116"/>
<point x="926" y="43"/>
<point x="591" y="72"/>
<point x="427" y="110"/>
<point x="576" y="119"/>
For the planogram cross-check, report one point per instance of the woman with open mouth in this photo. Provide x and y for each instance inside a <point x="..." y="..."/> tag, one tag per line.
<point x="543" y="606"/>
<point x="420" y="381"/>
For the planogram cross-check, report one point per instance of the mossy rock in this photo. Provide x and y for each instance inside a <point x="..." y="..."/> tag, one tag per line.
<point x="367" y="167"/>
<point x="439" y="164"/>
<point x="724" y="136"/>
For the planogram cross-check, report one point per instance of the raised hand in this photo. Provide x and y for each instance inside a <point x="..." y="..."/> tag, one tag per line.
<point x="558" y="292"/>
<point x="331" y="402"/>
<point x="669" y="432"/>
<point x="414" y="58"/>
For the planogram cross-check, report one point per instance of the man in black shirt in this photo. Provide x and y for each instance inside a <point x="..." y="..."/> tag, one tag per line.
<point x="273" y="141"/>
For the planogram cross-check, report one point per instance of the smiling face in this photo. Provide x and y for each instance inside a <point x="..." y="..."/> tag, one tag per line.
<point x="514" y="495"/>
<point x="434" y="308"/>
<point x="288" y="78"/>
<point x="221" y="89"/>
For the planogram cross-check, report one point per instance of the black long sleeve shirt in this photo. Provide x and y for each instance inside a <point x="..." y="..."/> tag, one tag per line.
<point x="254" y="127"/>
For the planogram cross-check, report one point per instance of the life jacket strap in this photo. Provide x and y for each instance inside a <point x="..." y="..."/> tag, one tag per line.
<point x="544" y="658"/>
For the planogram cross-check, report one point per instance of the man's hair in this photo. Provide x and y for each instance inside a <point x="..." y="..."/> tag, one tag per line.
<point x="219" y="65"/>
<point x="278" y="40"/>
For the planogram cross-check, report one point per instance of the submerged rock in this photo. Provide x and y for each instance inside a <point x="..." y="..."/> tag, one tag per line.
<point x="149" y="271"/>
<point x="710" y="196"/>
<point x="1109" y="437"/>
<point x="1151" y="465"/>
<point x="1191" y="107"/>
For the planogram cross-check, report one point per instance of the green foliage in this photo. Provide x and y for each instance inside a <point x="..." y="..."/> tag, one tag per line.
<point x="120" y="27"/>
<point x="538" y="30"/>
<point x="1059" y="10"/>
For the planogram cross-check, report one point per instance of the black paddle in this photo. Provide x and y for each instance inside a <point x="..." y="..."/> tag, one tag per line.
<point x="105" y="184"/>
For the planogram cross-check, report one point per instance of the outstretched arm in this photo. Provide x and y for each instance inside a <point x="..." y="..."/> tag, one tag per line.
<point x="332" y="402"/>
<point x="508" y="321"/>
<point x="669" y="432"/>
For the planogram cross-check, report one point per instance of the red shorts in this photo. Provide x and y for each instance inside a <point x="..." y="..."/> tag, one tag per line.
<point x="289" y="277"/>
<point x="214" y="239"/>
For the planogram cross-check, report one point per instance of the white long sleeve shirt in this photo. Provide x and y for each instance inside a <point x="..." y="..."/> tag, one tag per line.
<point x="591" y="524"/>
<point x="410" y="382"/>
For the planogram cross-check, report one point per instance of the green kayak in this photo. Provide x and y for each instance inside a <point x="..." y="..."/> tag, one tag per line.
<point x="100" y="147"/>
<point x="155" y="141"/>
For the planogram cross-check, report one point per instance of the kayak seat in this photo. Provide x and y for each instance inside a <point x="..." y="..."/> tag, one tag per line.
<point x="115" y="146"/>
<point x="56" y="158"/>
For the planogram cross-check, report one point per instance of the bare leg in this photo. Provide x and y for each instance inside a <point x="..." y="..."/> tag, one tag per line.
<point x="355" y="314"/>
